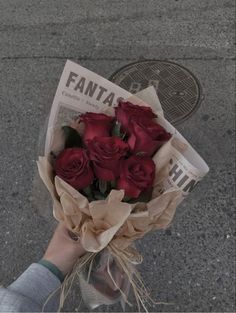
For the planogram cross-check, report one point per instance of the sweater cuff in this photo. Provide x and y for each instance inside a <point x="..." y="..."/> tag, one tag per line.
<point x="52" y="268"/>
<point x="36" y="283"/>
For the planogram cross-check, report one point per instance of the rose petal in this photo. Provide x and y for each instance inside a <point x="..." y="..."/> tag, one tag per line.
<point x="73" y="166"/>
<point x="106" y="154"/>
<point x="131" y="190"/>
<point x="104" y="173"/>
<point x="96" y="124"/>
<point x="136" y="175"/>
<point x="146" y="136"/>
<point x="126" y="110"/>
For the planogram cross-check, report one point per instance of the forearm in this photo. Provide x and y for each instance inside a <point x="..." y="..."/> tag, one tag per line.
<point x="30" y="291"/>
<point x="39" y="286"/>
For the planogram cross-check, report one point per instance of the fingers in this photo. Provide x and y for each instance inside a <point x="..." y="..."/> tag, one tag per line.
<point x="72" y="235"/>
<point x="63" y="236"/>
<point x="61" y="228"/>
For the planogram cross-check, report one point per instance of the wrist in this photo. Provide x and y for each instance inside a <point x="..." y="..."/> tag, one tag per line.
<point x="52" y="268"/>
<point x="63" y="265"/>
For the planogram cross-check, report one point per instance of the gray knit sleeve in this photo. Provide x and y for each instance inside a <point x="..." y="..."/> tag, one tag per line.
<point x="30" y="291"/>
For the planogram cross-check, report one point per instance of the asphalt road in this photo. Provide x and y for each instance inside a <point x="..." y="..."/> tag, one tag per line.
<point x="190" y="265"/>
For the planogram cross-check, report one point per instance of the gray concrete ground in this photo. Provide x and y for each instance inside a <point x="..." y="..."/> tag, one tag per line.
<point x="191" y="265"/>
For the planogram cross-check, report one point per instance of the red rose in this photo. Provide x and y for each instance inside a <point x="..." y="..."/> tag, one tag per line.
<point x="106" y="154"/>
<point x="96" y="124"/>
<point x="147" y="136"/>
<point x="136" y="175"/>
<point x="73" y="166"/>
<point x="126" y="110"/>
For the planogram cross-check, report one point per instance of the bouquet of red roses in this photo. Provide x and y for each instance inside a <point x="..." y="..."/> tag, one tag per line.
<point x="112" y="153"/>
<point x="114" y="175"/>
<point x="108" y="153"/>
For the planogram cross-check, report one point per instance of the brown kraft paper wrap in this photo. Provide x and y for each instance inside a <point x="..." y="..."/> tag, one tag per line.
<point x="108" y="228"/>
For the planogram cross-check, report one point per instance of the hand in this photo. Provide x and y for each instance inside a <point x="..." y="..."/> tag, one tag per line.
<point x="63" y="251"/>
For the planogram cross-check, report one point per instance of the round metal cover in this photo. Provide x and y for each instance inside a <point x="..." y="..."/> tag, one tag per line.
<point x="178" y="89"/>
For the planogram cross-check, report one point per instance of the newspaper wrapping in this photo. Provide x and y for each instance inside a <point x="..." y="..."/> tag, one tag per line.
<point x="107" y="275"/>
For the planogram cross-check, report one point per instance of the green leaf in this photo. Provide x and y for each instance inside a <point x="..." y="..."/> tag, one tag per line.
<point x="126" y="199"/>
<point x="72" y="137"/>
<point x="113" y="184"/>
<point x="95" y="185"/>
<point x="88" y="191"/>
<point x="141" y="153"/>
<point x="103" y="186"/>
<point x="99" y="196"/>
<point x="123" y="136"/>
<point x="145" y="196"/>
<point x="116" y="130"/>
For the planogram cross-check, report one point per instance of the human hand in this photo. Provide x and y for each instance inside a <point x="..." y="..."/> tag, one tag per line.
<point x="63" y="251"/>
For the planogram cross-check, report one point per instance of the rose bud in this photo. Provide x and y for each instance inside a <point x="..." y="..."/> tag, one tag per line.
<point x="126" y="110"/>
<point x="73" y="166"/>
<point x="146" y="136"/>
<point x="136" y="175"/>
<point x="106" y="154"/>
<point x="96" y="124"/>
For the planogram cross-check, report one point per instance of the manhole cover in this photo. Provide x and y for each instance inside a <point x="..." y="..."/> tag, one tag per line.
<point x="178" y="89"/>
